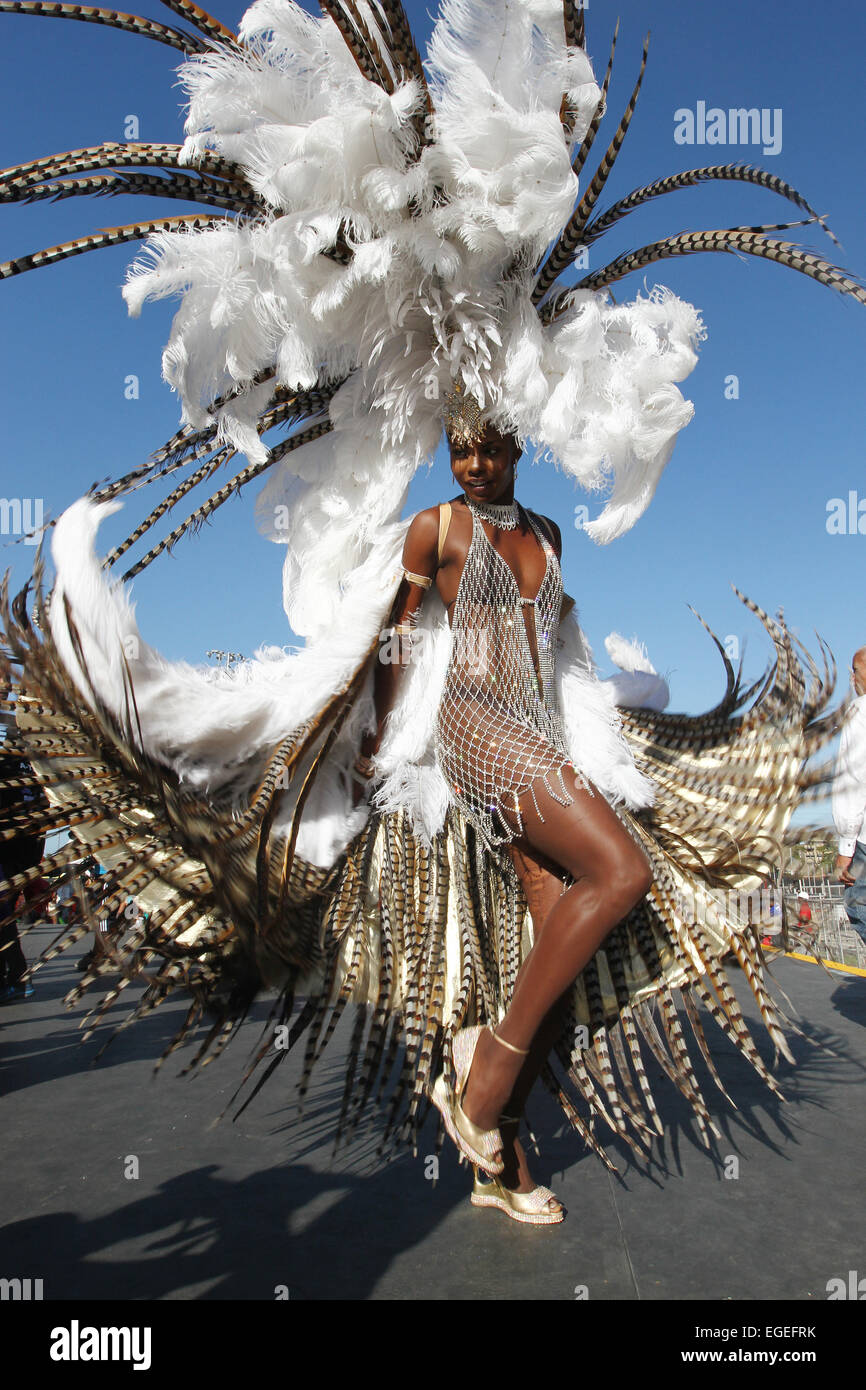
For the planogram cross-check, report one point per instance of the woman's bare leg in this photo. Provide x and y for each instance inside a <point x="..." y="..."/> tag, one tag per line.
<point x="542" y="884"/>
<point x="611" y="874"/>
<point x="543" y="887"/>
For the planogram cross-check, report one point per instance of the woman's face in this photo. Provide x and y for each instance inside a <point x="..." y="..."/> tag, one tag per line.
<point x="485" y="471"/>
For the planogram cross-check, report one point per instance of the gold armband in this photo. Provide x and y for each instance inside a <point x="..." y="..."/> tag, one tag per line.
<point x="424" y="580"/>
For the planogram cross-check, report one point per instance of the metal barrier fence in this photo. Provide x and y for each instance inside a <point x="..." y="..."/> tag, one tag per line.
<point x="830" y="933"/>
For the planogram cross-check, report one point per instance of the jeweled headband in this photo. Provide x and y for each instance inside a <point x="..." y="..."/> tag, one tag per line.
<point x="462" y="417"/>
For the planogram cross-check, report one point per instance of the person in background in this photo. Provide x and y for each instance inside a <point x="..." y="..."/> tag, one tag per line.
<point x="849" y="800"/>
<point x="109" y="921"/>
<point x="18" y="854"/>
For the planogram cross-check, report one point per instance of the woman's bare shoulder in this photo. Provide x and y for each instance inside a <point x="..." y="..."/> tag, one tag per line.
<point x="423" y="520"/>
<point x="426" y="522"/>
<point x="424" y="526"/>
<point x="552" y="530"/>
<point x="422" y="541"/>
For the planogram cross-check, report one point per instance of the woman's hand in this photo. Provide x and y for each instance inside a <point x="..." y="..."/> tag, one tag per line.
<point x="364" y="771"/>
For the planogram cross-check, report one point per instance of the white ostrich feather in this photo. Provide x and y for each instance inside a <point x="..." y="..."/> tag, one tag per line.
<point x="638" y="684"/>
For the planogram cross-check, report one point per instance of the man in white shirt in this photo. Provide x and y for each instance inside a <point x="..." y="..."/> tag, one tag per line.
<point x="849" y="800"/>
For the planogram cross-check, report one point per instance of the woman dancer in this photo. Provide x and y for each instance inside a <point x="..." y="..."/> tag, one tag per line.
<point x="337" y="296"/>
<point x="498" y="732"/>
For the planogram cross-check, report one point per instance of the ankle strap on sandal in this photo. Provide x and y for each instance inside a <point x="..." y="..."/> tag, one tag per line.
<point x="522" y="1051"/>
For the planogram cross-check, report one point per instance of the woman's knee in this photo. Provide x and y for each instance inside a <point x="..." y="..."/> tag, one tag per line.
<point x="628" y="878"/>
<point x="588" y="840"/>
<point x="636" y="877"/>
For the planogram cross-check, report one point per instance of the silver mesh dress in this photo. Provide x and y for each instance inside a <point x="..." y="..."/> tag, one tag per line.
<point x="498" y="726"/>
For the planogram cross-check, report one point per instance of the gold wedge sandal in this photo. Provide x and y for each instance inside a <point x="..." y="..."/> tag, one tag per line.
<point x="532" y="1208"/>
<point x="483" y="1148"/>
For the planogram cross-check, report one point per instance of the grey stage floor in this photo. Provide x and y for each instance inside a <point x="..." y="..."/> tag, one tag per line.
<point x="237" y="1210"/>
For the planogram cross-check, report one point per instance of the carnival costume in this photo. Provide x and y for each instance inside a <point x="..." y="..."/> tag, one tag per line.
<point x="498" y="726"/>
<point x="385" y="243"/>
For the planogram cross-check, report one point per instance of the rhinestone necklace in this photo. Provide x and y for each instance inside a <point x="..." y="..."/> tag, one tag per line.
<point x="505" y="517"/>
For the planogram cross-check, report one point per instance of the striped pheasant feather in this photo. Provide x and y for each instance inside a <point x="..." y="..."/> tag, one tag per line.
<point x="404" y="1023"/>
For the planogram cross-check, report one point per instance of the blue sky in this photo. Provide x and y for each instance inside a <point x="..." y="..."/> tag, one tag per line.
<point x="745" y="498"/>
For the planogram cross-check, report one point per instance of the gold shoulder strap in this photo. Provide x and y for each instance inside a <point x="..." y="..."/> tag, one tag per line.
<point x="444" y="523"/>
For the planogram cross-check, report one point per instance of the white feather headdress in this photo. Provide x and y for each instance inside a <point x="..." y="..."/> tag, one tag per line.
<point x="387" y="227"/>
<point x="441" y="218"/>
